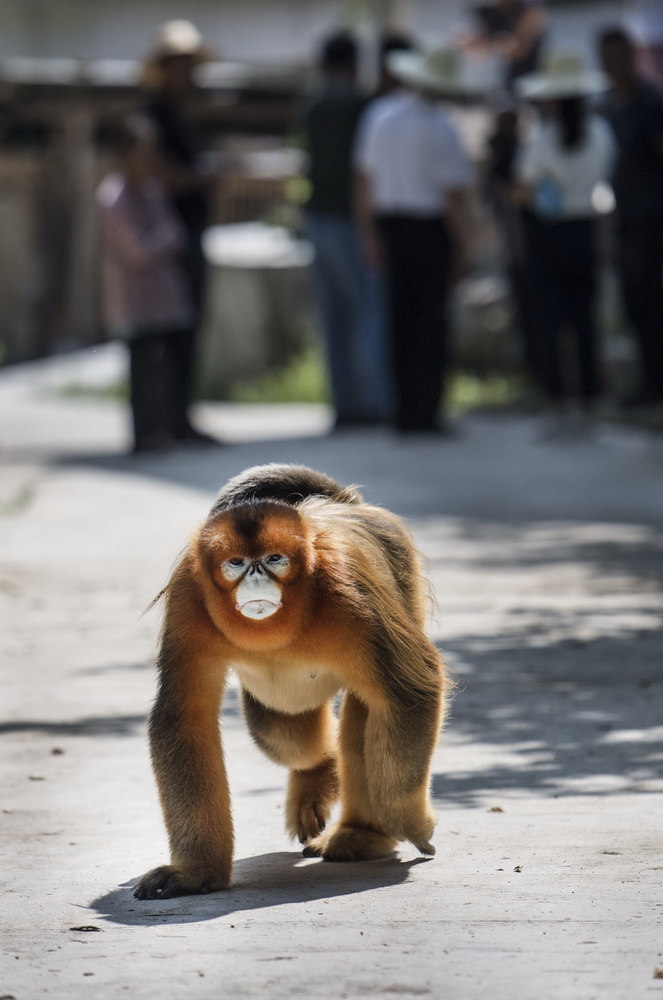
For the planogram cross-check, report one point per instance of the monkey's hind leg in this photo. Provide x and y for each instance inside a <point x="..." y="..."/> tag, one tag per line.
<point x="358" y="836"/>
<point x="305" y="743"/>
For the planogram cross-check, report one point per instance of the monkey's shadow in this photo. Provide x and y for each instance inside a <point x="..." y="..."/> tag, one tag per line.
<point x="258" y="882"/>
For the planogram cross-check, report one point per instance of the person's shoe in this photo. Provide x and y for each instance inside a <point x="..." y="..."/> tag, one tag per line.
<point x="348" y="422"/>
<point x="439" y="428"/>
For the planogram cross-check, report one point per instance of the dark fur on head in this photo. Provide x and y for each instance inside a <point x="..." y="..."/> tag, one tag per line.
<point x="290" y="484"/>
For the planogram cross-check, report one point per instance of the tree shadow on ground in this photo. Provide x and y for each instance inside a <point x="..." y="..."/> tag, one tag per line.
<point x="258" y="883"/>
<point x="615" y="554"/>
<point x="494" y="469"/>
<point x="102" y="725"/>
<point x="555" y="719"/>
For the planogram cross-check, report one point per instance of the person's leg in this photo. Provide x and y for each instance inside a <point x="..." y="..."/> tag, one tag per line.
<point x="180" y="353"/>
<point x="641" y="260"/>
<point x="337" y="288"/>
<point x="431" y="268"/>
<point x="372" y="348"/>
<point x="149" y="373"/>
<point x="401" y="321"/>
<point x="545" y="256"/>
<point x="418" y="264"/>
<point x="581" y="289"/>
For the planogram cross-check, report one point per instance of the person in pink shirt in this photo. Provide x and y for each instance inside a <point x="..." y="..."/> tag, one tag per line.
<point x="144" y="289"/>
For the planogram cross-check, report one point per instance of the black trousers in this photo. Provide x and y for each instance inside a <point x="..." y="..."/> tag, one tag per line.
<point x="640" y="254"/>
<point x="160" y="367"/>
<point x="562" y="268"/>
<point x="418" y="268"/>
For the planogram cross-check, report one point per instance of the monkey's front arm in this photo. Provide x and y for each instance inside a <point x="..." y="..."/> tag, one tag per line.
<point x="188" y="764"/>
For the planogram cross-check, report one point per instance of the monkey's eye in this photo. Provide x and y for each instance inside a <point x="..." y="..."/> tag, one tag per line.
<point x="277" y="564"/>
<point x="233" y="568"/>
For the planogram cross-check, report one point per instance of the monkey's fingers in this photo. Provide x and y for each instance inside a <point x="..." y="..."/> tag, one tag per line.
<point x="311" y="822"/>
<point x="168" y="881"/>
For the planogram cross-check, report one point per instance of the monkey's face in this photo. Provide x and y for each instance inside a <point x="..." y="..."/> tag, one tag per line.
<point x="257" y="593"/>
<point x="258" y="559"/>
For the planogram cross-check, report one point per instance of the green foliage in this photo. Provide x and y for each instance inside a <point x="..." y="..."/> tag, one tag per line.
<point x="303" y="380"/>
<point x="114" y="390"/>
<point x="468" y="391"/>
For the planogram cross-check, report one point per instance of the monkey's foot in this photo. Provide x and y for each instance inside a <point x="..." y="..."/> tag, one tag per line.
<point x="174" y="880"/>
<point x="311" y="795"/>
<point x="349" y="843"/>
<point x="411" y="821"/>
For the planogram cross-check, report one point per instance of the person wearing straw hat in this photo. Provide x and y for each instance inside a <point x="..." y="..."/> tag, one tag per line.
<point x="412" y="210"/>
<point x="567" y="154"/>
<point x="168" y="80"/>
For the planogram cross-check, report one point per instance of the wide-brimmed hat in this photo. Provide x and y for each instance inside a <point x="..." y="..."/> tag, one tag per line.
<point x="174" y="38"/>
<point x="437" y="68"/>
<point x="562" y="75"/>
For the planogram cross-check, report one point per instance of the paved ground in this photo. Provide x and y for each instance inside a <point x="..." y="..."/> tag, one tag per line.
<point x="547" y="562"/>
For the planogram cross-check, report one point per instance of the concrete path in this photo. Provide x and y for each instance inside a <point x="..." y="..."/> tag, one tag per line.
<point x="547" y="564"/>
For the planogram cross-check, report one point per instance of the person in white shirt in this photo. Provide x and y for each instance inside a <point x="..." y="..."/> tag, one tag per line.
<point x="411" y="204"/>
<point x="389" y="93"/>
<point x="562" y="162"/>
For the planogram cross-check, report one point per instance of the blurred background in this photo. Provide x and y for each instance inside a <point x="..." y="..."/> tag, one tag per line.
<point x="69" y="67"/>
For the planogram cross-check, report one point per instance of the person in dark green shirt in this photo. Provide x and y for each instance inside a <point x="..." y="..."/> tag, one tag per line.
<point x="329" y="123"/>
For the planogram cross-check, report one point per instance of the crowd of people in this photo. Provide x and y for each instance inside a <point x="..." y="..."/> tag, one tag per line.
<point x="388" y="217"/>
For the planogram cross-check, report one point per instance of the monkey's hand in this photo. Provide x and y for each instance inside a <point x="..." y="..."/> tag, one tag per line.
<point x="177" y="880"/>
<point x="311" y="795"/>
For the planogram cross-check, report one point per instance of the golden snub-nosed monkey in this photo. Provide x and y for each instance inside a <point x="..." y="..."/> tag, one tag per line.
<point x="304" y="591"/>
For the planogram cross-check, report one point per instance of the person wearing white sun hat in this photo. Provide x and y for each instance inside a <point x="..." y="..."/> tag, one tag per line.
<point x="562" y="75"/>
<point x="412" y="211"/>
<point x="437" y="69"/>
<point x="566" y="155"/>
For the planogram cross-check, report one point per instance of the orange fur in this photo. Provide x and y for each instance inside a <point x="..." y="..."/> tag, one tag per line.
<point x="351" y="618"/>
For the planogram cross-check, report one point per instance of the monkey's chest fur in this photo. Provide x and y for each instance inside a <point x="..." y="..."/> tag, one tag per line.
<point x="288" y="689"/>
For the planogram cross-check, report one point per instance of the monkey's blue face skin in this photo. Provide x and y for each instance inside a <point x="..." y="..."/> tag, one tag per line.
<point x="258" y="594"/>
